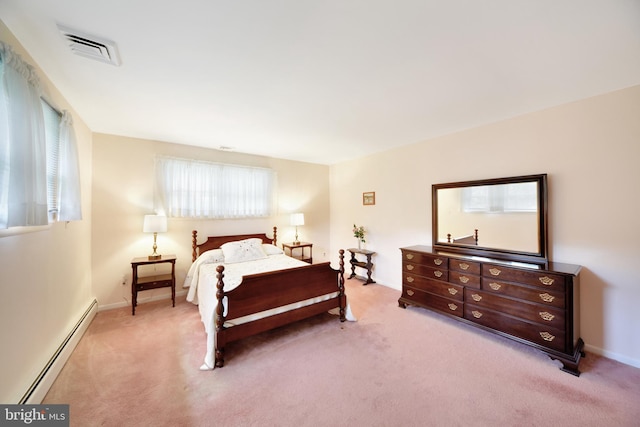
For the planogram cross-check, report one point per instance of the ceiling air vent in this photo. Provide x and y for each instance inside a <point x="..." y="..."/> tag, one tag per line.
<point x="90" y="46"/>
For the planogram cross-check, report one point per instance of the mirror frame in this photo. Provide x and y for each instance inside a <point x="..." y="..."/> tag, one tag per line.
<point x="537" y="257"/>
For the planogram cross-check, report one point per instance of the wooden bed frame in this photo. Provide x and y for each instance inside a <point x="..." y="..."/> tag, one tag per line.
<point x="266" y="291"/>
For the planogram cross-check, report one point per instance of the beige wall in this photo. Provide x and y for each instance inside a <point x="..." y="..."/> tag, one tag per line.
<point x="591" y="151"/>
<point x="45" y="279"/>
<point x="123" y="185"/>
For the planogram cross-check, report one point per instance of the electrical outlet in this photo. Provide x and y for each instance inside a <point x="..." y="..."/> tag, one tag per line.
<point x="124" y="280"/>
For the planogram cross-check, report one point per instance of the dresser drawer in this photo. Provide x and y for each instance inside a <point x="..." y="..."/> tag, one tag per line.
<point x="540" y="334"/>
<point x="464" y="266"/>
<point x="425" y="271"/>
<point x="435" y="302"/>
<point x="431" y="260"/>
<point x="533" y="312"/>
<point x="541" y="279"/>
<point x="464" y="279"/>
<point x="529" y="293"/>
<point x="448" y="290"/>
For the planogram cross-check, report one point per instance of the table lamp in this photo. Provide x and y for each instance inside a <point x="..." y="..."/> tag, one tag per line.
<point x="297" y="219"/>
<point x="155" y="224"/>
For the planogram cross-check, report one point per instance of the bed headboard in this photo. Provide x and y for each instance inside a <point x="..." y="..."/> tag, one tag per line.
<point x="214" y="242"/>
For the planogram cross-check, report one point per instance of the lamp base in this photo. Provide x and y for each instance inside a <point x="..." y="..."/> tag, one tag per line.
<point x="154" y="257"/>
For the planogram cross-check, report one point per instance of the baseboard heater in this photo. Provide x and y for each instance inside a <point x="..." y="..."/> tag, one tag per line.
<point x="47" y="376"/>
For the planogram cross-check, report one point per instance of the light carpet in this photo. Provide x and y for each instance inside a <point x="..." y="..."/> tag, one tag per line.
<point x="394" y="367"/>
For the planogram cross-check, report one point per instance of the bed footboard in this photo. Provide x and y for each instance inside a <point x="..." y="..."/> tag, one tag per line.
<point x="273" y="290"/>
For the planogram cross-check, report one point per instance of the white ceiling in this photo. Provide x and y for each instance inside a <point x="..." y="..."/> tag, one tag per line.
<point x="328" y="80"/>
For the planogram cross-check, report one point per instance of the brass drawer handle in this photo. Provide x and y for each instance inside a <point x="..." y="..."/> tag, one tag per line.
<point x="437" y="273"/>
<point x="464" y="266"/>
<point x="494" y="271"/>
<point x="437" y="261"/>
<point x="409" y="256"/>
<point x="452" y="291"/>
<point x="476" y="297"/>
<point x="410" y="267"/>
<point x="548" y="281"/>
<point x="464" y="279"/>
<point x="410" y="279"/>
<point x="547" y="336"/>
<point x="495" y="286"/>
<point x="410" y="292"/>
<point x="476" y="314"/>
<point x="453" y="307"/>
<point x="546" y="297"/>
<point x="546" y="316"/>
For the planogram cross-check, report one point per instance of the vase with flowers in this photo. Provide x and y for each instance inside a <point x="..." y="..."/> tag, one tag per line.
<point x="358" y="233"/>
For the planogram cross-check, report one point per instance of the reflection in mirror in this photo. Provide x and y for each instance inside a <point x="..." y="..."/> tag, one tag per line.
<point x="506" y="215"/>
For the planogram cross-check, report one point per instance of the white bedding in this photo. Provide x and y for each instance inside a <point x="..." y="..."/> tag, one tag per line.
<point x="201" y="281"/>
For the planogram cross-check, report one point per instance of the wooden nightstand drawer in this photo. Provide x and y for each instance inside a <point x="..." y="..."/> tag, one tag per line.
<point x="154" y="282"/>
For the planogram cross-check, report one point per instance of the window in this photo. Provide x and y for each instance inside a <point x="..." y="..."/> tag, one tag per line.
<point x="198" y="189"/>
<point x="519" y="197"/>
<point x="52" y="139"/>
<point x="39" y="173"/>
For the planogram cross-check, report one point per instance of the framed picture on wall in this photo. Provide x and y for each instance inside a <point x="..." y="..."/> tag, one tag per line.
<point x="369" y="198"/>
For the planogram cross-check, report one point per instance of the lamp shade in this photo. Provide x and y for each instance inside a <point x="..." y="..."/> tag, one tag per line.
<point x="297" y="219"/>
<point x="155" y="224"/>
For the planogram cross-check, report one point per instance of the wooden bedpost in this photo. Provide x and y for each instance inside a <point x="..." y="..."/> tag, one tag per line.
<point x="219" y="318"/>
<point x="342" y="296"/>
<point x="194" y="245"/>
<point x="275" y="236"/>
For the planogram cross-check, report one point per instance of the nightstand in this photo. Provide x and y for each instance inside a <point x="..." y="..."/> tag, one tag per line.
<point x="302" y="256"/>
<point x="144" y="283"/>
<point x="368" y="265"/>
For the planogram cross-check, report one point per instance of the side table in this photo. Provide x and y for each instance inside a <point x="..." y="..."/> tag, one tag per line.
<point x="368" y="265"/>
<point x="301" y="246"/>
<point x="143" y="283"/>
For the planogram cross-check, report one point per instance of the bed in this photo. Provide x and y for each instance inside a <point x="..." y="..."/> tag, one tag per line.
<point x="244" y="285"/>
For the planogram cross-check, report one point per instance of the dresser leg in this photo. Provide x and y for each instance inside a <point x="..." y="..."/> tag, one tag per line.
<point x="571" y="364"/>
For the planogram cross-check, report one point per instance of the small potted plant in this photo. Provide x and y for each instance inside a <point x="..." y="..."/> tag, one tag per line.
<point x="358" y="233"/>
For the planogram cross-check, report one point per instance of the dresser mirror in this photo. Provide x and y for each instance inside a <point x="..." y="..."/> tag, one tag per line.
<point x="502" y="218"/>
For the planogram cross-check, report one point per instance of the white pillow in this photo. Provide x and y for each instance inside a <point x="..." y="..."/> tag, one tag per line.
<point x="243" y="250"/>
<point x="211" y="256"/>
<point x="270" y="249"/>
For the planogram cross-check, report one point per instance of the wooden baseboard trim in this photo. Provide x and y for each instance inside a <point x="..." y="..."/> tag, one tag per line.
<point x="47" y="376"/>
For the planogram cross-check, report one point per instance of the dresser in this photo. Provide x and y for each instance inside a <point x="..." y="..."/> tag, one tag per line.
<point x="534" y="304"/>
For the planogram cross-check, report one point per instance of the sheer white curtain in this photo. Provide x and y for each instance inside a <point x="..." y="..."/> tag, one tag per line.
<point x="197" y="189"/>
<point x="69" y="195"/>
<point x="517" y="197"/>
<point x="23" y="173"/>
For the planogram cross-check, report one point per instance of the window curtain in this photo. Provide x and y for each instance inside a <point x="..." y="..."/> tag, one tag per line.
<point x="520" y="197"/>
<point x="69" y="196"/>
<point x="23" y="174"/>
<point x="197" y="189"/>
